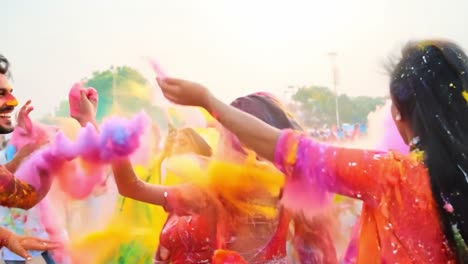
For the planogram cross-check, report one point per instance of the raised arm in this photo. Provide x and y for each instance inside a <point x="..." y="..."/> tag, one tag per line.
<point x="180" y="199"/>
<point x="255" y="134"/>
<point x="355" y="173"/>
<point x="129" y="185"/>
<point x="26" y="139"/>
<point x="83" y="108"/>
<point x="350" y="172"/>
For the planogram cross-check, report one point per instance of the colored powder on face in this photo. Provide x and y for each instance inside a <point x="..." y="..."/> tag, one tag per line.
<point x="12" y="102"/>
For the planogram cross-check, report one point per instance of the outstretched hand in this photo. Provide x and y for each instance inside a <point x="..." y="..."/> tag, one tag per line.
<point x="185" y="92"/>
<point x="21" y="244"/>
<point x="252" y="132"/>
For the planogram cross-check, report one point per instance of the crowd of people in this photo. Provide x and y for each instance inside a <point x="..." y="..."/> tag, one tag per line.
<point x="344" y="133"/>
<point x="268" y="191"/>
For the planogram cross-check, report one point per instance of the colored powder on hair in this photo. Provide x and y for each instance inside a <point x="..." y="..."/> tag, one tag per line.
<point x="231" y="180"/>
<point x="465" y="95"/>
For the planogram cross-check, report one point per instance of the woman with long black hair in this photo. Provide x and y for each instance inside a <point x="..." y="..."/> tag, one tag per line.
<point x="415" y="208"/>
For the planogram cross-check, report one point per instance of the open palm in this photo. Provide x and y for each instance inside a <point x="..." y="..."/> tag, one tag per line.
<point x="185" y="92"/>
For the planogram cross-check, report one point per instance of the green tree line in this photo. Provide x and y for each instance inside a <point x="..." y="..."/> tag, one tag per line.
<point x="315" y="106"/>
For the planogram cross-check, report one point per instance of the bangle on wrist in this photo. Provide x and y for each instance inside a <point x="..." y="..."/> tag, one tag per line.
<point x="166" y="203"/>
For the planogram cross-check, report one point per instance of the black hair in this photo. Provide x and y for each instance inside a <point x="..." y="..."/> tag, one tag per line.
<point x="4" y="65"/>
<point x="268" y="109"/>
<point x="429" y="87"/>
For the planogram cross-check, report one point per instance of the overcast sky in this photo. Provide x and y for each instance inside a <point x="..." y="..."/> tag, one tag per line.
<point x="234" y="47"/>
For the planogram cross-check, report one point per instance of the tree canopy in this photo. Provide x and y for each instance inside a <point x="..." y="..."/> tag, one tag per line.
<point x="315" y="106"/>
<point x="123" y="91"/>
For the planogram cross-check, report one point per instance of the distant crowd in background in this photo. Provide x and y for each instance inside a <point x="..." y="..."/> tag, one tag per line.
<point x="346" y="132"/>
